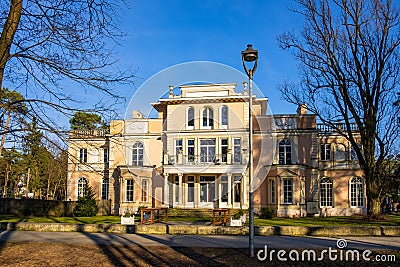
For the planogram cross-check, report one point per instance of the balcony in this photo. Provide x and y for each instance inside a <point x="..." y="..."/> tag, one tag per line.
<point x="323" y="128"/>
<point x="88" y="133"/>
<point x="193" y="160"/>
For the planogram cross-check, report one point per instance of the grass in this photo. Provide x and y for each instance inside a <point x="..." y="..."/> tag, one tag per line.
<point x="388" y="220"/>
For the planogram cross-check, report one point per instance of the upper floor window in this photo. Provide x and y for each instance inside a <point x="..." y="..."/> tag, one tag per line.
<point x="207" y="150"/>
<point x="208" y="118"/>
<point x="190" y="150"/>
<point x="356" y="192"/>
<point x="137" y="154"/>
<point x="224" y="150"/>
<point x="178" y="146"/>
<point x="285" y="152"/>
<point x="326" y="192"/>
<point x="353" y="154"/>
<point x="224" y="116"/>
<point x="325" y="151"/>
<point x="82" y="182"/>
<point x="83" y="155"/>
<point x="190" y="117"/>
<point x="237" y="150"/>
<point x="105" y="155"/>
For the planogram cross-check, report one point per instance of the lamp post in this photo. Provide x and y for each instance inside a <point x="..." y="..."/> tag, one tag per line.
<point x="250" y="55"/>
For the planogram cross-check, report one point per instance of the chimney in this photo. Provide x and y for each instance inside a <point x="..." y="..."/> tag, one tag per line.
<point x="302" y="109"/>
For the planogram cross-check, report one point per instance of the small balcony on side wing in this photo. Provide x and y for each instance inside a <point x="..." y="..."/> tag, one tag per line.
<point x="204" y="159"/>
<point x="323" y="128"/>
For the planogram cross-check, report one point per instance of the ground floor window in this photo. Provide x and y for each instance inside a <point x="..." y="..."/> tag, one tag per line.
<point x="82" y="182"/>
<point x="207" y="188"/>
<point x="326" y="192"/>
<point x="104" y="189"/>
<point x="224" y="189"/>
<point x="190" y="186"/>
<point x="237" y="190"/>
<point x="272" y="192"/>
<point x="145" y="190"/>
<point x="129" y="190"/>
<point x="287" y="191"/>
<point x="356" y="192"/>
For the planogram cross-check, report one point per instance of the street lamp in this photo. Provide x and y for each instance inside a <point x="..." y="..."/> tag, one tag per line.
<point x="250" y="55"/>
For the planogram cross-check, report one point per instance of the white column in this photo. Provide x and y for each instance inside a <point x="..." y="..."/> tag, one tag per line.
<point x="244" y="194"/>
<point x="180" y="189"/>
<point x="166" y="190"/>
<point x="230" y="190"/>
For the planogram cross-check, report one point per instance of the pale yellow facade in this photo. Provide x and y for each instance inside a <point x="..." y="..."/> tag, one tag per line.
<point x="195" y="155"/>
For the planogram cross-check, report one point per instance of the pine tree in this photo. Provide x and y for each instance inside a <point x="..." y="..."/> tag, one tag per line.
<point x="86" y="205"/>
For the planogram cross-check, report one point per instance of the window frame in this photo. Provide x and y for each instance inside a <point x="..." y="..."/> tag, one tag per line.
<point x="237" y="151"/>
<point x="190" y="118"/>
<point x="145" y="182"/>
<point x="139" y="154"/>
<point x="326" y="192"/>
<point x="272" y="191"/>
<point x="83" y="155"/>
<point x="208" y="157"/>
<point x="325" y="152"/>
<point x="207" y="118"/>
<point x="81" y="182"/>
<point x="105" y="187"/>
<point x="354" y="194"/>
<point x="224" y="117"/>
<point x="285" y="156"/>
<point x="129" y="190"/>
<point x="286" y="194"/>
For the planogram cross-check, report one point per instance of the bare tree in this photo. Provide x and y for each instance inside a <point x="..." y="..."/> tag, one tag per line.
<point x="349" y="55"/>
<point x="46" y="45"/>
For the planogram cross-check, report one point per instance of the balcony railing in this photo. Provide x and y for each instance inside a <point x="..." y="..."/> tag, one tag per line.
<point x="88" y="133"/>
<point x="205" y="159"/>
<point x="342" y="126"/>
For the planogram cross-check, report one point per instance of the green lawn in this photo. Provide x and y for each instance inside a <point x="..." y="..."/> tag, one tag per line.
<point x="389" y="220"/>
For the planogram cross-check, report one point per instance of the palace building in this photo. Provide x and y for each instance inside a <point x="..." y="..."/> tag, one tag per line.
<point x="194" y="155"/>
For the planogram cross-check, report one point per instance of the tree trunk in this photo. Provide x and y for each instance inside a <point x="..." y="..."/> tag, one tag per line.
<point x="3" y="137"/>
<point x="7" y="34"/>
<point x="6" y="178"/>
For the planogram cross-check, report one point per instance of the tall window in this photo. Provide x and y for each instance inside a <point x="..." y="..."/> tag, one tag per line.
<point x="224" y="116"/>
<point x="224" y="188"/>
<point x="237" y="150"/>
<point x="326" y="191"/>
<point x="325" y="152"/>
<point x="137" y="154"/>
<point x="145" y="190"/>
<point x="83" y="155"/>
<point x="224" y="150"/>
<point x="207" y="188"/>
<point x="105" y="155"/>
<point x="190" y="188"/>
<point x="208" y="118"/>
<point x="178" y="146"/>
<point x="129" y="190"/>
<point x="356" y="192"/>
<point x="237" y="190"/>
<point x="272" y="191"/>
<point x="287" y="191"/>
<point x="104" y="189"/>
<point x="190" y="117"/>
<point x="190" y="150"/>
<point x="207" y="150"/>
<point x="285" y="152"/>
<point x="82" y="182"/>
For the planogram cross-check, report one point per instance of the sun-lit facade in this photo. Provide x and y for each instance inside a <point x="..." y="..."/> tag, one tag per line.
<point x="194" y="155"/>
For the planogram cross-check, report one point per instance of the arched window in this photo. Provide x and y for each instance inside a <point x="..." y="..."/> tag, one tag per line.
<point x="356" y="192"/>
<point x="326" y="192"/>
<point x="82" y="182"/>
<point x="208" y="118"/>
<point x="224" y="116"/>
<point x="190" y="117"/>
<point x="285" y="152"/>
<point x="137" y="154"/>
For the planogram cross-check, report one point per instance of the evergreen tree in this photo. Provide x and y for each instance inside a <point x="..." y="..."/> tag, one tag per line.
<point x="86" y="205"/>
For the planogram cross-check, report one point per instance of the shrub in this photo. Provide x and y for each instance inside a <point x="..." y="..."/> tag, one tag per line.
<point x="86" y="205"/>
<point x="266" y="213"/>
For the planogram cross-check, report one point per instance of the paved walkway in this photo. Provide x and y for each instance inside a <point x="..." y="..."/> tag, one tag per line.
<point x="278" y="242"/>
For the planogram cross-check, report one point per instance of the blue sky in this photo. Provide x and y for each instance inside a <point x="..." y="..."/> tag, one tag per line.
<point x="165" y="33"/>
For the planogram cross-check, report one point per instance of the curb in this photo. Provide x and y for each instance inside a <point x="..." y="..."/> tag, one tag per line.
<point x="327" y="231"/>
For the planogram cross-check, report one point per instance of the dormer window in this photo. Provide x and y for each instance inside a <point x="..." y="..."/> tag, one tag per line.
<point x="207" y="118"/>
